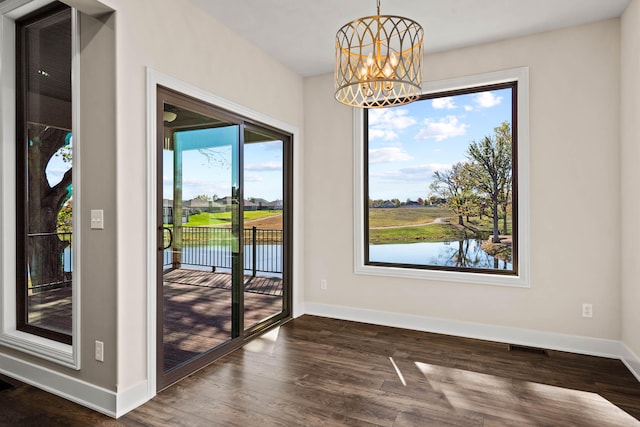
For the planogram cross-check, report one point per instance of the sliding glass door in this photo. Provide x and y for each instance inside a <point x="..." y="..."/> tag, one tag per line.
<point x="223" y="272"/>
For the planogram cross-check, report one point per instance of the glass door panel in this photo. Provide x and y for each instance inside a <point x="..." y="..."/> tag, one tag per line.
<point x="200" y="236"/>
<point x="224" y="232"/>
<point x="263" y="216"/>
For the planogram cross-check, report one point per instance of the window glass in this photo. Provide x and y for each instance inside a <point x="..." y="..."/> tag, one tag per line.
<point x="441" y="181"/>
<point x="44" y="174"/>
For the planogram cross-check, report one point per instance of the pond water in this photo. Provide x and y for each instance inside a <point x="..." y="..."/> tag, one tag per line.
<point x="268" y="257"/>
<point x="462" y="253"/>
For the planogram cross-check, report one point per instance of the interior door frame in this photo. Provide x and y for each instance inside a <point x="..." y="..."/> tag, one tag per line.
<point x="239" y="335"/>
<point x="131" y="310"/>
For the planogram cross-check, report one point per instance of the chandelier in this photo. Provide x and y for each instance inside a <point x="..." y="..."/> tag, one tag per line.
<point x="378" y="61"/>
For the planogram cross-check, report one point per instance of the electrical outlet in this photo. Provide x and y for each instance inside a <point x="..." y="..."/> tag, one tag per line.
<point x="587" y="310"/>
<point x="323" y="284"/>
<point x="99" y="351"/>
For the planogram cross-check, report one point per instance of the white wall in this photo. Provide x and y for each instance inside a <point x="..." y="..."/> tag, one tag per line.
<point x="630" y="175"/>
<point x="177" y="39"/>
<point x="575" y="159"/>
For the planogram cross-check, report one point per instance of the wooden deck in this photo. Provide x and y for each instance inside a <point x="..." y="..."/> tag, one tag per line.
<point x="51" y="309"/>
<point x="197" y="309"/>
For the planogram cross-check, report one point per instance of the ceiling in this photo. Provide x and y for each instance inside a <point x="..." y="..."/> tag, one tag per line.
<point x="301" y="33"/>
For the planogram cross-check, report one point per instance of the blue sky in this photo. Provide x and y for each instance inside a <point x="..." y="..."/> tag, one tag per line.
<point x="207" y="170"/>
<point x="57" y="167"/>
<point x="408" y="143"/>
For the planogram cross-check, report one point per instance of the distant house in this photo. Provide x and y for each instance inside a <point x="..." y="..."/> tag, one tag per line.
<point x="387" y="204"/>
<point x="201" y="205"/>
<point x="264" y="205"/>
<point x="276" y="205"/>
<point x="167" y="212"/>
<point x="225" y="201"/>
<point x="251" y="206"/>
<point x="412" y="204"/>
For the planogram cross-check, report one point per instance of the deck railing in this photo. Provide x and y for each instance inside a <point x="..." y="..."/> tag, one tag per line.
<point x="212" y="247"/>
<point x="56" y="248"/>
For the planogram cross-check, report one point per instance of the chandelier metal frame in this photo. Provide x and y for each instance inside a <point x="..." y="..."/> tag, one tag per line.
<point x="379" y="61"/>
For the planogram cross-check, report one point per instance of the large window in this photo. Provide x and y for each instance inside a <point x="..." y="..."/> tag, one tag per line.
<point x="440" y="184"/>
<point x="44" y="188"/>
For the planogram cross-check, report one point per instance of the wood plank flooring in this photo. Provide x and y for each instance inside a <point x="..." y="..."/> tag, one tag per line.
<point x="316" y="371"/>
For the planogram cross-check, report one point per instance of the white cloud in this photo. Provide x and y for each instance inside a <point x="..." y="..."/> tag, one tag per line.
<point x="487" y="99"/>
<point x="390" y="119"/>
<point x="443" y="103"/>
<point x="388" y="155"/>
<point x="468" y="108"/>
<point x="252" y="177"/>
<point x="55" y="175"/>
<point x="386" y="135"/>
<point x="411" y="174"/>
<point x="270" y="166"/>
<point x="272" y="145"/>
<point x="442" y="129"/>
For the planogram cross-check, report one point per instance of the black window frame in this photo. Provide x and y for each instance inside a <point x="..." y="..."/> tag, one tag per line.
<point x="479" y="88"/>
<point x="21" y="57"/>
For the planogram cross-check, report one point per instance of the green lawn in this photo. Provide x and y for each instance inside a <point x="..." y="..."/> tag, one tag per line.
<point x="485" y="226"/>
<point x="402" y="225"/>
<point x="433" y="233"/>
<point x="222" y="218"/>
<point x="385" y="217"/>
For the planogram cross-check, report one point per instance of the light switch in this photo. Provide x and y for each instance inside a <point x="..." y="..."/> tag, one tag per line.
<point x="97" y="219"/>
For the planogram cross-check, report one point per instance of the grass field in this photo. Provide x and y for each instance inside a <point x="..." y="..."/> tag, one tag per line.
<point x="402" y="225"/>
<point x="432" y="233"/>
<point x="388" y="217"/>
<point x="224" y="218"/>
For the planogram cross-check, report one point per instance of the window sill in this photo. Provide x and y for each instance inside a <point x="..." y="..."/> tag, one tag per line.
<point x="445" y="276"/>
<point x="43" y="348"/>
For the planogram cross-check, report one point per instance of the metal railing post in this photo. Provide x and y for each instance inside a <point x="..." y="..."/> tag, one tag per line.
<point x="254" y="251"/>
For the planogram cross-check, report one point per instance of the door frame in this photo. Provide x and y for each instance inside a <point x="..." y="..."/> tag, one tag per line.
<point x="167" y="378"/>
<point x="155" y="79"/>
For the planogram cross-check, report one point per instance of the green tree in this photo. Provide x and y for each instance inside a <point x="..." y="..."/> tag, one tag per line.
<point x="45" y="202"/>
<point x="456" y="187"/>
<point x="65" y="217"/>
<point x="491" y="170"/>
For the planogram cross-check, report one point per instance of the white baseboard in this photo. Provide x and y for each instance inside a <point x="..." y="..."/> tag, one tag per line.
<point x="111" y="403"/>
<point x="631" y="360"/>
<point x="548" y="340"/>
<point x="129" y="399"/>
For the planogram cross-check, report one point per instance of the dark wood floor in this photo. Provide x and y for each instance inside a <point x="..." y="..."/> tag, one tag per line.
<point x="317" y="371"/>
